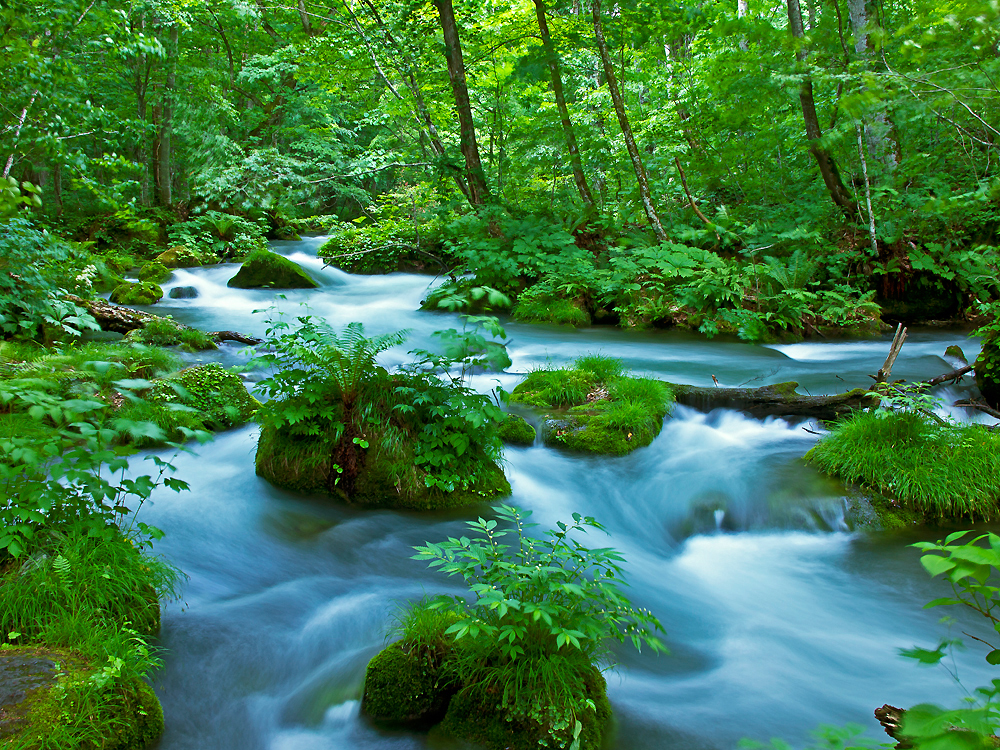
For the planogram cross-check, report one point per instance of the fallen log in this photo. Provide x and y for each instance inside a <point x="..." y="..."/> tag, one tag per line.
<point x="780" y="399"/>
<point x="119" y="319"/>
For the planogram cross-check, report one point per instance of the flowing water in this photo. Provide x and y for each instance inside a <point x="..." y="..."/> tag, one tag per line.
<point x="779" y="616"/>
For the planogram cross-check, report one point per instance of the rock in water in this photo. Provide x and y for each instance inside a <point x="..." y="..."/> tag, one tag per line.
<point x="266" y="270"/>
<point x="180" y="256"/>
<point x="130" y="293"/>
<point x="183" y="292"/>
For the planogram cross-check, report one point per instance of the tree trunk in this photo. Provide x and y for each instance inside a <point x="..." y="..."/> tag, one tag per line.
<point x="619" y="102"/>
<point x="742" y="11"/>
<point x="880" y="136"/>
<point x="163" y="157"/>
<point x="552" y="59"/>
<point x="827" y="166"/>
<point x="479" y="192"/>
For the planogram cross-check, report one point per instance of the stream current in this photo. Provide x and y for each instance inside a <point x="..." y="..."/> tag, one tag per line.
<point x="779" y="615"/>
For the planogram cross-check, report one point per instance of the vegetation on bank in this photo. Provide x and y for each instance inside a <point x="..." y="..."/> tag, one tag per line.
<point x="337" y="423"/>
<point x="517" y="662"/>
<point x="595" y="407"/>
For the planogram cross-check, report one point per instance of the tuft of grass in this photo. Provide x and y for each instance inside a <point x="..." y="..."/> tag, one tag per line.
<point x="601" y="366"/>
<point x="943" y="471"/>
<point x="654" y="394"/>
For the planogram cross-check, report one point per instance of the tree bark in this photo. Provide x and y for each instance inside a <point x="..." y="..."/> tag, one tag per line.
<point x="883" y="145"/>
<point x="164" y="193"/>
<point x="552" y="59"/>
<point x="827" y="166"/>
<point x="479" y="192"/>
<point x="742" y="11"/>
<point x="619" y="103"/>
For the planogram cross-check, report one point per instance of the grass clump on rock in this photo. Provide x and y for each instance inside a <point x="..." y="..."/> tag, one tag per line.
<point x="518" y="663"/>
<point x="595" y="407"/>
<point x="167" y="332"/>
<point x="264" y="269"/>
<point x="338" y="423"/>
<point x="938" y="470"/>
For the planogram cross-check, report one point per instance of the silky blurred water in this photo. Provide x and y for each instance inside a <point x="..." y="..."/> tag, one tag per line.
<point x="780" y="617"/>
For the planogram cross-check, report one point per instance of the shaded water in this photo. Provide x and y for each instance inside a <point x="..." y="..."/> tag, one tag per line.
<point x="779" y="616"/>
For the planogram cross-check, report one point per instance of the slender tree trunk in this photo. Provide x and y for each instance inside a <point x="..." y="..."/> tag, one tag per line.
<point x="557" y="89"/>
<point x="880" y="135"/>
<point x="619" y="102"/>
<point x="164" y="193"/>
<point x="742" y="10"/>
<point x="17" y="132"/>
<point x="479" y="192"/>
<point x="827" y="166"/>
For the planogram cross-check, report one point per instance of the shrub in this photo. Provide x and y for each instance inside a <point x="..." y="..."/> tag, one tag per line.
<point x="539" y="617"/>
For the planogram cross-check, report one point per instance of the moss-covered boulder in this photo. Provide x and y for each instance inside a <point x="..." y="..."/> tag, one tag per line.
<point x="264" y="269"/>
<point x="218" y="395"/>
<point x="180" y="256"/>
<point x="515" y="430"/>
<point x="594" y="407"/>
<point x="55" y="698"/>
<point x="475" y="718"/>
<point x="406" y="685"/>
<point x="307" y="464"/>
<point x="142" y="293"/>
<point x="154" y="271"/>
<point x="987" y="370"/>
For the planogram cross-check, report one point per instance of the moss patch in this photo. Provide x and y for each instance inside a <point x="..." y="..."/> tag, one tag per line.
<point x="167" y="332"/>
<point x="516" y="431"/>
<point x="405" y="685"/>
<point x="180" y="256"/>
<point x="130" y="293"/>
<point x="217" y="394"/>
<point x="74" y="710"/>
<point x="303" y="464"/>
<point x="154" y="271"/>
<point x="939" y="471"/>
<point x="264" y="269"/>
<point x="594" y="407"/>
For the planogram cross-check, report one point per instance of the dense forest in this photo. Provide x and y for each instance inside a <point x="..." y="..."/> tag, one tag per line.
<point x="694" y="202"/>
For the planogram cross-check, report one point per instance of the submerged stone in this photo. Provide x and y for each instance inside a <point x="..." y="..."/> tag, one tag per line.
<point x="264" y="269"/>
<point x="183" y="292"/>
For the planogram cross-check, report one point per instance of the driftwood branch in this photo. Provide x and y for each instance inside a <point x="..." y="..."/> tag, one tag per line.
<point x="121" y="319"/>
<point x="897" y="344"/>
<point x="981" y="406"/>
<point x="953" y="375"/>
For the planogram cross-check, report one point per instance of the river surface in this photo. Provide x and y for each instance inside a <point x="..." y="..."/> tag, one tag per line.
<point x="779" y="616"/>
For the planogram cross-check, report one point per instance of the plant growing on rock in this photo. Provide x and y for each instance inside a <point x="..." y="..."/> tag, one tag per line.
<point x="537" y="624"/>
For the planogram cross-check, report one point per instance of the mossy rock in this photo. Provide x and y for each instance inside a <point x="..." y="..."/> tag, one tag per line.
<point x="168" y="332"/>
<point x="592" y="411"/>
<point x="405" y="686"/>
<point x="516" y="431"/>
<point x="180" y="256"/>
<point x="264" y="269"/>
<point x="303" y="464"/>
<point x="987" y="370"/>
<point x="154" y="271"/>
<point x="474" y="718"/>
<point x="219" y="395"/>
<point x="130" y="293"/>
<point x="551" y="309"/>
<point x="56" y="703"/>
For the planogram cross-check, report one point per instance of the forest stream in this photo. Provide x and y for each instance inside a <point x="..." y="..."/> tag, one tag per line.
<point x="779" y="615"/>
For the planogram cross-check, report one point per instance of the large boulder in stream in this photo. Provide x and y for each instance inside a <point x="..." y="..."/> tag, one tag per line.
<point x="141" y="293"/>
<point x="47" y="693"/>
<point x="180" y="256"/>
<point x="266" y="270"/>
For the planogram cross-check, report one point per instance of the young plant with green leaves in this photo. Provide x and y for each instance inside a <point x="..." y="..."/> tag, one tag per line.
<point x="537" y="620"/>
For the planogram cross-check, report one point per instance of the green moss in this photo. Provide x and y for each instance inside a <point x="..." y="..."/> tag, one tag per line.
<point x="474" y="718"/>
<point x="264" y="269"/>
<point x="130" y="293"/>
<point x="594" y="408"/>
<point x="75" y="711"/>
<point x="154" y="271"/>
<point x="987" y="370"/>
<point x="939" y="471"/>
<point x="180" y="256"/>
<point x="167" y="332"/>
<point x="548" y="309"/>
<point x="302" y="464"/>
<point x="406" y="685"/>
<point x="516" y="431"/>
<point x="217" y="394"/>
